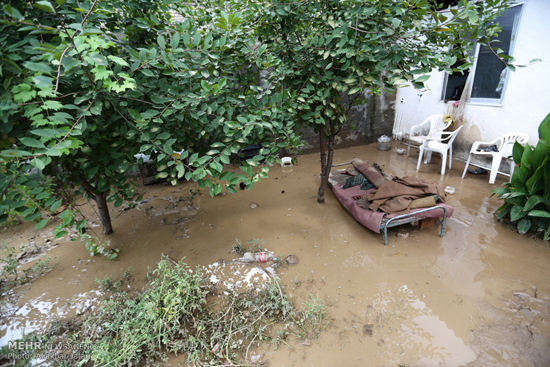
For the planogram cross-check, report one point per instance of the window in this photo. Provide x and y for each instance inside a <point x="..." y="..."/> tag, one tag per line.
<point x="490" y="73"/>
<point x="455" y="83"/>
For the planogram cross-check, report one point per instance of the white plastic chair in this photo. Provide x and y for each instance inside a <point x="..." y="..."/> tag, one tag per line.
<point x="442" y="145"/>
<point x="436" y="126"/>
<point x="505" y="146"/>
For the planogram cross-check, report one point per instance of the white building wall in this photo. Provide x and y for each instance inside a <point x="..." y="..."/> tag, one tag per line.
<point x="526" y="99"/>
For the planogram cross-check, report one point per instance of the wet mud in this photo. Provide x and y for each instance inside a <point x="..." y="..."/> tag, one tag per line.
<point x="477" y="297"/>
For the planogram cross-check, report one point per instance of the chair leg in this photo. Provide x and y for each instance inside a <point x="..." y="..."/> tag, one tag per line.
<point x="428" y="157"/>
<point x="467" y="164"/>
<point x="443" y="162"/>
<point x="408" y="148"/>
<point x="494" y="169"/>
<point x="450" y="156"/>
<point x="420" y="154"/>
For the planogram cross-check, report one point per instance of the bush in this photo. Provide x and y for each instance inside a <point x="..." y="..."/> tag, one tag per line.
<point x="527" y="196"/>
<point x="171" y="315"/>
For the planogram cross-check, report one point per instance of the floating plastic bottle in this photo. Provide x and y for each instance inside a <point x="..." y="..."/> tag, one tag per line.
<point x="261" y="257"/>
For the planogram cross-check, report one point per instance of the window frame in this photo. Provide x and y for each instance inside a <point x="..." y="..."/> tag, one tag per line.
<point x="496" y="102"/>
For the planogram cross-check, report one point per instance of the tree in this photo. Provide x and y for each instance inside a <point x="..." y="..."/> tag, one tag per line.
<point x="88" y="85"/>
<point x="333" y="49"/>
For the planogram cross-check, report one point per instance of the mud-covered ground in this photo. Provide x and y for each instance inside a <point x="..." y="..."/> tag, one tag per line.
<point x="478" y="297"/>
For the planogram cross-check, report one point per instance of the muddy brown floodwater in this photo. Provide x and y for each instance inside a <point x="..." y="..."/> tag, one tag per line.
<point x="479" y="296"/>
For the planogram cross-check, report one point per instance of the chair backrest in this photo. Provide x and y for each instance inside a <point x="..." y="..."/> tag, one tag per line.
<point x="452" y="137"/>
<point x="506" y="142"/>
<point x="437" y="125"/>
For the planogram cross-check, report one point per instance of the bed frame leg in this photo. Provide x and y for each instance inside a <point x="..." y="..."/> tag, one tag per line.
<point x="443" y="223"/>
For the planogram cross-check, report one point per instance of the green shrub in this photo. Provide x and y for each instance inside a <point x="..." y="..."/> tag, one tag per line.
<point x="527" y="196"/>
<point x="171" y="316"/>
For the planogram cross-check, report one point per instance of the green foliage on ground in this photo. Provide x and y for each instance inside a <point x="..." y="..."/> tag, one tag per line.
<point x="11" y="276"/>
<point x="171" y="315"/>
<point x="527" y="196"/>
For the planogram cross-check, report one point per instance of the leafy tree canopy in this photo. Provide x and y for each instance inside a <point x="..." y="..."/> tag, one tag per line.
<point x="88" y="85"/>
<point x="332" y="51"/>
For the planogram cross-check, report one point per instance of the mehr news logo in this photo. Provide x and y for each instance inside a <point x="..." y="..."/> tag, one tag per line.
<point x="36" y="345"/>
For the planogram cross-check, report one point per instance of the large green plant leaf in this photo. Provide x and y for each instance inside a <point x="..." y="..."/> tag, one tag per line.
<point x="524" y="225"/>
<point x="517" y="152"/>
<point x="526" y="158"/>
<point x="500" y="191"/>
<point x="534" y="201"/>
<point x="517" y="213"/>
<point x="504" y="210"/>
<point x="544" y="129"/>
<point x="535" y="183"/>
<point x="519" y="179"/>
<point x="539" y="213"/>
<point x="540" y="153"/>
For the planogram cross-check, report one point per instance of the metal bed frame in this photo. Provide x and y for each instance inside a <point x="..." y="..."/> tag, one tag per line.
<point x="404" y="218"/>
<point x="411" y="218"/>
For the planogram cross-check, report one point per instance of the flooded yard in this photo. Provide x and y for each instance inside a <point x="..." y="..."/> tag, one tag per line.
<point x="477" y="297"/>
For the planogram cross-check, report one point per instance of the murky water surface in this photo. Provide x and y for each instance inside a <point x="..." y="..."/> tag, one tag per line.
<point x="479" y="296"/>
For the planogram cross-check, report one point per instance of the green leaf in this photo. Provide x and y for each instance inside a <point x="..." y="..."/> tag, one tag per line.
<point x="56" y="205"/>
<point x="539" y="213"/>
<point x="32" y="217"/>
<point x="52" y="105"/>
<point x="147" y="72"/>
<point x="524" y="225"/>
<point x="174" y="42"/>
<point x="13" y="12"/>
<point x="48" y="133"/>
<point x="42" y="82"/>
<point x="118" y="60"/>
<point x="517" y="152"/>
<point x="101" y="73"/>
<point x="30" y="142"/>
<point x="161" y="42"/>
<point x="98" y="59"/>
<point x="38" y="163"/>
<point x="517" y="213"/>
<point x="45" y="5"/>
<point x="42" y="223"/>
<point x="41" y="67"/>
<point x="422" y="79"/>
<point x="544" y="129"/>
<point x="181" y="170"/>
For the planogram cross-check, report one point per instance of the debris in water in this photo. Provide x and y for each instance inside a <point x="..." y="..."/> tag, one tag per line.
<point x="402" y="234"/>
<point x="257" y="256"/>
<point x="367" y="329"/>
<point x="292" y="260"/>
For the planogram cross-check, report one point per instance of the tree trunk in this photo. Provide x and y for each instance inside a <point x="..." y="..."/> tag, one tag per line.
<point x="327" y="154"/>
<point x="323" y="153"/>
<point x="104" y="217"/>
